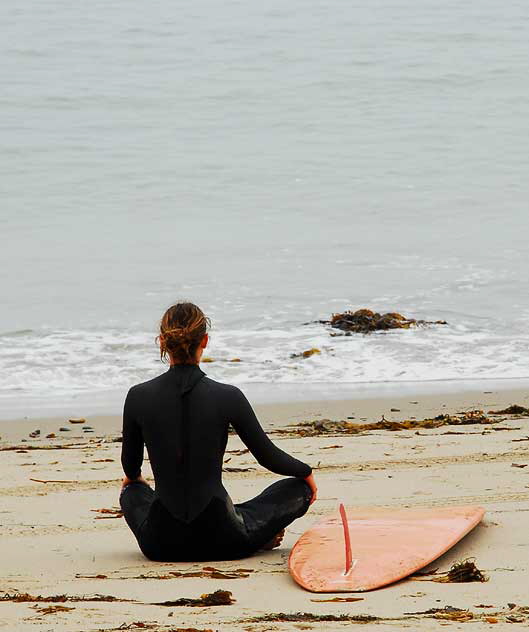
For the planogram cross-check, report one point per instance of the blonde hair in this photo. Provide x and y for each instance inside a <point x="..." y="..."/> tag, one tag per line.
<point x="182" y="328"/>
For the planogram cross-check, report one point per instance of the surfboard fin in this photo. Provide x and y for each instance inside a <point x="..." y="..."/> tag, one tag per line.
<point x="347" y="540"/>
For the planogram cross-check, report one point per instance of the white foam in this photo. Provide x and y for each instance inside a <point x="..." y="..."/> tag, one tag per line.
<point x="52" y="366"/>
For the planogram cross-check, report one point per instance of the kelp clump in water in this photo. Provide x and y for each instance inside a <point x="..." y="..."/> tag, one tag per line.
<point x="365" y="321"/>
<point x="305" y="354"/>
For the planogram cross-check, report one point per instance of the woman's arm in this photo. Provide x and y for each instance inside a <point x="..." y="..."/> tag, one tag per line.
<point x="243" y="419"/>
<point x="132" y="446"/>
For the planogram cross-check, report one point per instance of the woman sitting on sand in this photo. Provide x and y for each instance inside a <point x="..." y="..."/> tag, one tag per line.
<point x="182" y="417"/>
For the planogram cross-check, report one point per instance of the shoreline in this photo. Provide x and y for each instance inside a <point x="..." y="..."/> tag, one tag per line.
<point x="276" y="414"/>
<point x="265" y="396"/>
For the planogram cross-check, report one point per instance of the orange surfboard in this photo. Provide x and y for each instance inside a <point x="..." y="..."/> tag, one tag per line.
<point x="356" y="550"/>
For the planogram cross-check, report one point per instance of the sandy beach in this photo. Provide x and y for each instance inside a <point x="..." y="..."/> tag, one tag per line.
<point x="55" y="542"/>
<point x="336" y="193"/>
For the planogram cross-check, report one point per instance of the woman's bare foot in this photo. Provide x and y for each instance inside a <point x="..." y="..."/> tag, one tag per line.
<point x="275" y="541"/>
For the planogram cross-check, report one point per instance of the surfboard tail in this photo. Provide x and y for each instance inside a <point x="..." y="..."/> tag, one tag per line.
<point x="347" y="540"/>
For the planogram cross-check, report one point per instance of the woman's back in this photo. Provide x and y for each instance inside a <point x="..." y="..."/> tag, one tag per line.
<point x="183" y="417"/>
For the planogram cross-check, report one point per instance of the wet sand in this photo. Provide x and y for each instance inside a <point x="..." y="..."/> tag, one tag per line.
<point x="53" y="542"/>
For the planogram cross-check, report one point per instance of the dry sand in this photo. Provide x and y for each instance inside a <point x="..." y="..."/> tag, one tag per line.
<point x="53" y="542"/>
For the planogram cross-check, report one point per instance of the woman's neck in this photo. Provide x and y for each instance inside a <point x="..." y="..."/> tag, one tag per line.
<point x="177" y="364"/>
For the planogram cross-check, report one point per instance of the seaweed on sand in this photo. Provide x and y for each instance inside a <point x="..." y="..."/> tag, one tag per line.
<point x="513" y="409"/>
<point x="514" y="614"/>
<point x="217" y="598"/>
<point x="108" y="513"/>
<point x="338" y="600"/>
<point x="207" y="572"/>
<point x="309" y="617"/>
<point x="135" y="625"/>
<point x="18" y="597"/>
<point x="448" y="613"/>
<point x="52" y="610"/>
<point x="327" y="426"/>
<point x="364" y="321"/>
<point x="460" y="572"/>
<point x="463" y="571"/>
<point x="141" y="625"/>
<point x="26" y="448"/>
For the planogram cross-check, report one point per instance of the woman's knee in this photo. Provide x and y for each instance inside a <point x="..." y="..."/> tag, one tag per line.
<point x="302" y="488"/>
<point x="299" y="492"/>
<point x="302" y="496"/>
<point x="296" y="498"/>
<point x="136" y="493"/>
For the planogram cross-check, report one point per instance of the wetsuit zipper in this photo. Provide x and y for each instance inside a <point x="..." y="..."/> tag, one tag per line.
<point x="185" y="424"/>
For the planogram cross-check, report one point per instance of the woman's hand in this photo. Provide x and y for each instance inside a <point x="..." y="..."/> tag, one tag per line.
<point x="126" y="481"/>
<point x="312" y="484"/>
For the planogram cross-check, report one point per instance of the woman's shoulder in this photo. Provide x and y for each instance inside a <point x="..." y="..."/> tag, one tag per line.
<point x="220" y="387"/>
<point x="147" y="384"/>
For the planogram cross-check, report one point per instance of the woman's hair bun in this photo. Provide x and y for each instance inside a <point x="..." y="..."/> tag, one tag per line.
<point x="182" y="328"/>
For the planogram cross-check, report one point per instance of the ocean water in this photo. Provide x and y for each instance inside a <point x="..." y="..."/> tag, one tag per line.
<point x="274" y="163"/>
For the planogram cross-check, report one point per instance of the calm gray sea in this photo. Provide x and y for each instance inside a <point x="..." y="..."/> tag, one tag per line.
<point x="274" y="162"/>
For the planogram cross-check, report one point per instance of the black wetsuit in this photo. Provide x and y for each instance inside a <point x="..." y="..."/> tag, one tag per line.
<point x="182" y="417"/>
